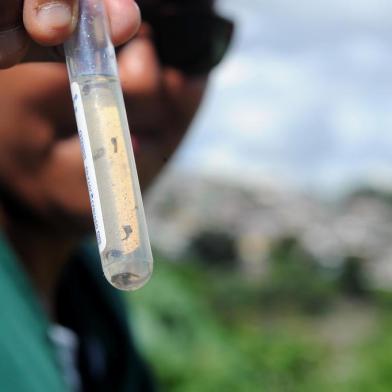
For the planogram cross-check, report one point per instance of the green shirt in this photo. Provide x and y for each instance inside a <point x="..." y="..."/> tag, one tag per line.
<point x="85" y="303"/>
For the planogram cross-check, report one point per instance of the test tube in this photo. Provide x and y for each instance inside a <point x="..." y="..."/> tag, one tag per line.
<point x="109" y="162"/>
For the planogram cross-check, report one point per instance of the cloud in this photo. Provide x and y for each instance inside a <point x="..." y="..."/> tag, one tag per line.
<point x="305" y="92"/>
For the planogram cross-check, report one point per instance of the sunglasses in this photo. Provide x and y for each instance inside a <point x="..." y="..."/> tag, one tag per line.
<point x="189" y="39"/>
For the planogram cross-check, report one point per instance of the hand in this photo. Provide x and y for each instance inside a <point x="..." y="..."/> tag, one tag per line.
<point x="51" y="22"/>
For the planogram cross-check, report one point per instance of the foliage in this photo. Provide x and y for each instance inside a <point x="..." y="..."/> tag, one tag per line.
<point x="295" y="279"/>
<point x="374" y="361"/>
<point x="214" y="330"/>
<point x="193" y="349"/>
<point x="214" y="248"/>
<point x="352" y="280"/>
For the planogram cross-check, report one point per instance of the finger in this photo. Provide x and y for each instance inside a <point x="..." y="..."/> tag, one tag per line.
<point x="13" y="38"/>
<point x="50" y="22"/>
<point x="124" y="19"/>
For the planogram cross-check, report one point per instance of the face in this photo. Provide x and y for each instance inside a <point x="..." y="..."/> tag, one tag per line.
<point x="41" y="169"/>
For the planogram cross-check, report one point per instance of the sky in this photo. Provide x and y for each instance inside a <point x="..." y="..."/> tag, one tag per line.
<point x="304" y="96"/>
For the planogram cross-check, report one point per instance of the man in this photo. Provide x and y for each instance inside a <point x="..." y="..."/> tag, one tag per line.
<point x="62" y="326"/>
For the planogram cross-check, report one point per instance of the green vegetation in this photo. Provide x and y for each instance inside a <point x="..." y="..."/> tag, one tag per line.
<point x="297" y="328"/>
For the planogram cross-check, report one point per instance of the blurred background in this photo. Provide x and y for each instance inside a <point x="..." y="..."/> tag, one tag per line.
<point x="272" y="227"/>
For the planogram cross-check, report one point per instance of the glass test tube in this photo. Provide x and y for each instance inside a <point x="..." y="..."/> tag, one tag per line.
<point x="109" y="162"/>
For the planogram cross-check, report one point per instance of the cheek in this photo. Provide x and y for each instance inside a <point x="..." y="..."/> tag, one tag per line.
<point x="184" y="93"/>
<point x="184" y="96"/>
<point x="179" y="102"/>
<point x="63" y="179"/>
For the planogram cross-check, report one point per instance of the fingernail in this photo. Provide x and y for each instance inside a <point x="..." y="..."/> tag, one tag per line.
<point x="55" y="15"/>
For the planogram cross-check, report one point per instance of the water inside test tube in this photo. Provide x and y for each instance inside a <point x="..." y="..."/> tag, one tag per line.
<point x="126" y="253"/>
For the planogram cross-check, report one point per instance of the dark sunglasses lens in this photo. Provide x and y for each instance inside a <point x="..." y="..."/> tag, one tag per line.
<point x="192" y="43"/>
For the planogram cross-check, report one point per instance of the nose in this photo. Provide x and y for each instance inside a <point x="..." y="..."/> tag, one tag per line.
<point x="139" y="67"/>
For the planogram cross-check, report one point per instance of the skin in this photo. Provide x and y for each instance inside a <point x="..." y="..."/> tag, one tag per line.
<point x="40" y="162"/>
<point x="51" y="22"/>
